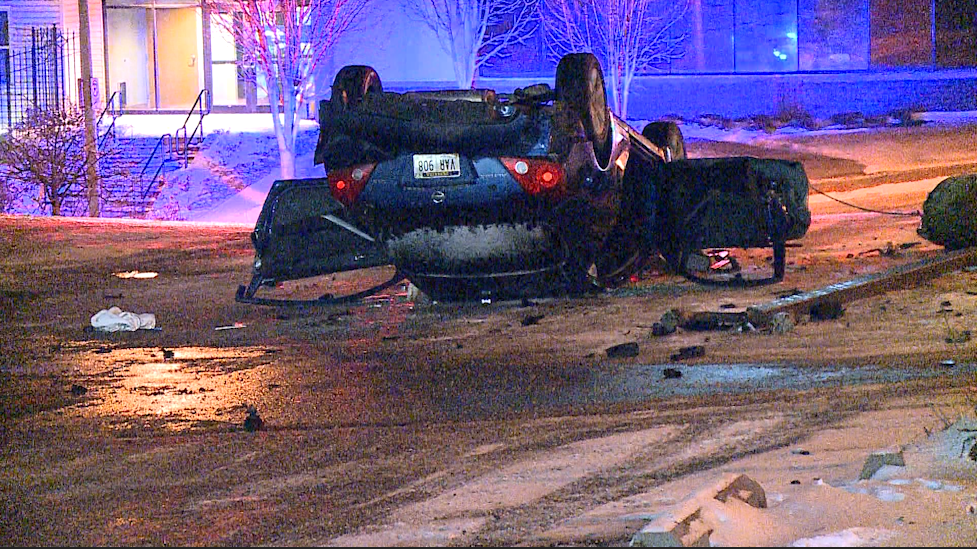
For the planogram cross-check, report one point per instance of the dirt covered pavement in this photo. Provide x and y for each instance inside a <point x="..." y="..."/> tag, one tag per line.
<point x="399" y="422"/>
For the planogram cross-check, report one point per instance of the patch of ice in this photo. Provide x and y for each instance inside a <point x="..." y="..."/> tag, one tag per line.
<point x="852" y="537"/>
<point x="883" y="493"/>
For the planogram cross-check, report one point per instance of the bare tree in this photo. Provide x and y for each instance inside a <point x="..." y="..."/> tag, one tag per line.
<point x="43" y="159"/>
<point x="462" y="28"/>
<point x="281" y="43"/>
<point x="627" y="37"/>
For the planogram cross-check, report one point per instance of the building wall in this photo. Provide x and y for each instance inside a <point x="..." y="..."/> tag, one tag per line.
<point x="70" y="24"/>
<point x="24" y="14"/>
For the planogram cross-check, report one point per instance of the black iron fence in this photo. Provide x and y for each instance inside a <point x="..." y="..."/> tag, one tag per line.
<point x="37" y="75"/>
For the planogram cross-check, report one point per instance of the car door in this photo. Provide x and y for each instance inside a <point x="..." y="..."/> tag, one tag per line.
<point x="302" y="231"/>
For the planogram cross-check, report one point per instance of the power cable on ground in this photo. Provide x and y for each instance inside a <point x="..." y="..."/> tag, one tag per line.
<point x="916" y="213"/>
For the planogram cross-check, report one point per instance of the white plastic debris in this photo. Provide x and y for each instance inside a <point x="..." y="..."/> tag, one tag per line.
<point x="115" y="319"/>
<point x="136" y="274"/>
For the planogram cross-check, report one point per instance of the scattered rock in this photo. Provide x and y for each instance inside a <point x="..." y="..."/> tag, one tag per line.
<point x="691" y="351"/>
<point x="167" y="354"/>
<point x="958" y="337"/>
<point x="712" y="321"/>
<point x="671" y="373"/>
<point x="788" y="293"/>
<point x="827" y="310"/>
<point x="689" y="524"/>
<point x="78" y="390"/>
<point x="623" y="350"/>
<point x="876" y="460"/>
<point x="670" y="319"/>
<point x="253" y="421"/>
<point x="746" y="326"/>
<point x="529" y="320"/>
<point x="782" y="322"/>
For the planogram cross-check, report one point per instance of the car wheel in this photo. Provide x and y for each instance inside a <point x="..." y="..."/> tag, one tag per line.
<point x="580" y="84"/>
<point x="352" y="83"/>
<point x="668" y="136"/>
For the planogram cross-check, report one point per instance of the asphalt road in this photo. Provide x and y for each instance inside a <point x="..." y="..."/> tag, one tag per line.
<point x="397" y="422"/>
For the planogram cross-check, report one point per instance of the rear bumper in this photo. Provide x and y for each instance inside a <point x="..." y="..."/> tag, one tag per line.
<point x="478" y="252"/>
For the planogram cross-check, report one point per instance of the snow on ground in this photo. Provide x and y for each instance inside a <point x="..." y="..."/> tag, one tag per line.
<point x="229" y="179"/>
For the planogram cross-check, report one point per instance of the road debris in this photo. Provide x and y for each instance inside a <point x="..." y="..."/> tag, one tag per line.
<point x="690" y="524"/>
<point x="136" y="274"/>
<point x="830" y="309"/>
<point x="671" y="373"/>
<point x="115" y="319"/>
<point x="668" y="323"/>
<point x="895" y="278"/>
<point x="234" y="326"/>
<point x="529" y="320"/>
<point x="691" y="351"/>
<point x="782" y="322"/>
<point x="623" y="350"/>
<point x="253" y="421"/>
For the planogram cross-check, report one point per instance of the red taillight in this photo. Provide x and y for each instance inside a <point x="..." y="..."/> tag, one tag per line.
<point x="537" y="176"/>
<point x="347" y="183"/>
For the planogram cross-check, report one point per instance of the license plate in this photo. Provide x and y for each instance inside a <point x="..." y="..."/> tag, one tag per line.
<point x="427" y="166"/>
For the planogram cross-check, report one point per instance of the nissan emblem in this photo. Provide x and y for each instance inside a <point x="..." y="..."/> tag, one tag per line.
<point x="437" y="197"/>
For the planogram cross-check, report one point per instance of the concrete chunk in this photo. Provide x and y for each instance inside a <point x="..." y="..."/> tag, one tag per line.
<point x="684" y="528"/>
<point x="876" y="460"/>
<point x="742" y="488"/>
<point x="686" y="525"/>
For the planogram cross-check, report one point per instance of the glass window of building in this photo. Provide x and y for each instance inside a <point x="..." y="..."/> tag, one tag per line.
<point x="833" y="35"/>
<point x="764" y="36"/>
<point x="901" y="33"/>
<point x="709" y="38"/>
<point x="228" y="80"/>
<point x="956" y="33"/>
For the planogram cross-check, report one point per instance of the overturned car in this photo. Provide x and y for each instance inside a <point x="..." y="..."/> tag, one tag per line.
<point x="473" y="193"/>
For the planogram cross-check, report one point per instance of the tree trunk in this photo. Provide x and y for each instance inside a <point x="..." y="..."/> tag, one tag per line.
<point x="91" y="152"/>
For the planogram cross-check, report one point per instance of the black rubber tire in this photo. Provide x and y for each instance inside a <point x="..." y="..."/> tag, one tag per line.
<point x="668" y="136"/>
<point x="580" y="84"/>
<point x="352" y="83"/>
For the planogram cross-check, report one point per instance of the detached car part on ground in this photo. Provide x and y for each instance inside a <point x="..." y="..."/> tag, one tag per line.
<point x="472" y="193"/>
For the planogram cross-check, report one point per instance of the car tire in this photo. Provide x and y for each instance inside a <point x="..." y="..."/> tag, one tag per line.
<point x="352" y="83"/>
<point x="580" y="84"/>
<point x="668" y="136"/>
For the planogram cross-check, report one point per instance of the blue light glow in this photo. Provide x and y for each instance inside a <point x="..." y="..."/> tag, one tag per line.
<point x="792" y="35"/>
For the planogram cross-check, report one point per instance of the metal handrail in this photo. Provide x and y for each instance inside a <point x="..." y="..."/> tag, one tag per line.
<point x="203" y="101"/>
<point x="169" y="144"/>
<point x="164" y="145"/>
<point x="109" y="109"/>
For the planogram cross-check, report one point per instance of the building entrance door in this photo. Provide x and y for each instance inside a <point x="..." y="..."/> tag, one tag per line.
<point x="177" y="61"/>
